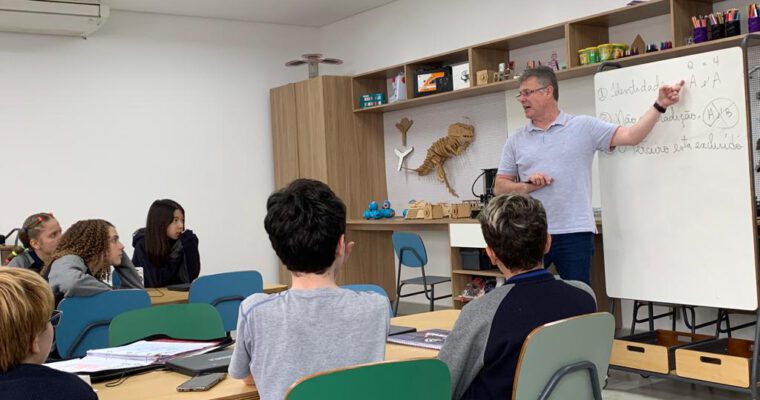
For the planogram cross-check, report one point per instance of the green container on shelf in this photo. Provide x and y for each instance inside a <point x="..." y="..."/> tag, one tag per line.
<point x="583" y="56"/>
<point x="593" y="55"/>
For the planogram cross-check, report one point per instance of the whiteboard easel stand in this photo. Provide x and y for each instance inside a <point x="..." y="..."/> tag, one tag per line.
<point x="753" y="388"/>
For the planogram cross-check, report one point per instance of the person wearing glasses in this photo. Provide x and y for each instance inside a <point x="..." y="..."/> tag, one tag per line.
<point x="27" y="319"/>
<point x="81" y="264"/>
<point x="39" y="234"/>
<point x="551" y="157"/>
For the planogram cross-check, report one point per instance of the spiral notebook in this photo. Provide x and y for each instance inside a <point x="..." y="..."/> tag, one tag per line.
<point x="429" y="339"/>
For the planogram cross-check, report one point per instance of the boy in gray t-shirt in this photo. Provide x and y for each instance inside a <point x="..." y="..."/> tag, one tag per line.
<point x="314" y="326"/>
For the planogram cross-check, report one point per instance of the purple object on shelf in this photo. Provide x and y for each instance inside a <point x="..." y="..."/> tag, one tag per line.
<point x="700" y="35"/>
<point x="753" y="24"/>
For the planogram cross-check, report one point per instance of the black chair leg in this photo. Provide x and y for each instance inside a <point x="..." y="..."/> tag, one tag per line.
<point x="432" y="297"/>
<point x="398" y="298"/>
<point x="650" y="308"/>
<point x="635" y="315"/>
<point x="728" y="323"/>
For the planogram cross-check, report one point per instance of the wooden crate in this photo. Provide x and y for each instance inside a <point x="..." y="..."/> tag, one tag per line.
<point x="651" y="351"/>
<point x="727" y="361"/>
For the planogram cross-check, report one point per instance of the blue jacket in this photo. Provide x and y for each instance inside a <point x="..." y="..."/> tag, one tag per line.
<point x="182" y="266"/>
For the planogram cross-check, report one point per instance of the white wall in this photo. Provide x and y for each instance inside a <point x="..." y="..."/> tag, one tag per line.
<point x="151" y="106"/>
<point x="409" y="29"/>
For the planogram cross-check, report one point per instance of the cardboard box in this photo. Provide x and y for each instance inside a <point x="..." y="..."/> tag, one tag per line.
<point x="460" y="73"/>
<point x="651" y="351"/>
<point x="727" y="361"/>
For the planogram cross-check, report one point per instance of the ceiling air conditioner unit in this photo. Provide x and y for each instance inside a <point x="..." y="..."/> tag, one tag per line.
<point x="69" y="17"/>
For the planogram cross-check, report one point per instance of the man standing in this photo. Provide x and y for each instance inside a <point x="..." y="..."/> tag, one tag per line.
<point x="552" y="158"/>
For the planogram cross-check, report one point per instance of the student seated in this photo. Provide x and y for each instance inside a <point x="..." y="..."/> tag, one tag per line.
<point x="39" y="234"/>
<point x="166" y="251"/>
<point x="484" y="346"/>
<point x="316" y="325"/>
<point x="27" y="319"/>
<point x="82" y="262"/>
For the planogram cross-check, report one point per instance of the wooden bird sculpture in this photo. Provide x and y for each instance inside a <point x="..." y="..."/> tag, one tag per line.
<point x="455" y="143"/>
<point x="403" y="127"/>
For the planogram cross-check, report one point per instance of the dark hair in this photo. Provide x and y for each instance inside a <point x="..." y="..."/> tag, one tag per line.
<point x="514" y="226"/>
<point x="305" y="221"/>
<point x="160" y="216"/>
<point x="545" y="77"/>
<point x="87" y="239"/>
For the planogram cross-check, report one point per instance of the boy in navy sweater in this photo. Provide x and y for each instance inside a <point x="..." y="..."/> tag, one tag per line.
<point x="484" y="346"/>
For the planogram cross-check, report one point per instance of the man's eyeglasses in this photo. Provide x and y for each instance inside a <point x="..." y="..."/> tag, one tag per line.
<point x="528" y="92"/>
<point x="55" y="318"/>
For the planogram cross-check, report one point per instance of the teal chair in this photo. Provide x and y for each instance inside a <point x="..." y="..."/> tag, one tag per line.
<point x="86" y="321"/>
<point x="427" y="379"/>
<point x="367" y="287"/>
<point x="566" y="359"/>
<point x="177" y="321"/>
<point x="411" y="253"/>
<point x="226" y="291"/>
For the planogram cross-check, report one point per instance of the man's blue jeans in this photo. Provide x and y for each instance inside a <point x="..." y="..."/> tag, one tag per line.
<point x="571" y="254"/>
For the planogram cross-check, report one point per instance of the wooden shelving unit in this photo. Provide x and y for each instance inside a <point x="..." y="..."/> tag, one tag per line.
<point x="577" y="34"/>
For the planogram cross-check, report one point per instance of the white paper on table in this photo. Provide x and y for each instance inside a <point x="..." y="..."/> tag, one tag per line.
<point x="152" y="351"/>
<point x="96" y="364"/>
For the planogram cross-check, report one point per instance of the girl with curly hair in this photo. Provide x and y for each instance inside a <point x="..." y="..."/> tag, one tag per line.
<point x="39" y="234"/>
<point x="167" y="252"/>
<point x="82" y="262"/>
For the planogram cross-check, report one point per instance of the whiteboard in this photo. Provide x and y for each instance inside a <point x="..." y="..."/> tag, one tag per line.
<point x="677" y="209"/>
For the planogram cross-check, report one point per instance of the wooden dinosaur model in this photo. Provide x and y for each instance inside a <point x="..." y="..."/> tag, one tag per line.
<point x="455" y="143"/>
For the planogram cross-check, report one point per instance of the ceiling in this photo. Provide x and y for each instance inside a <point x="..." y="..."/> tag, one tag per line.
<point x="313" y="13"/>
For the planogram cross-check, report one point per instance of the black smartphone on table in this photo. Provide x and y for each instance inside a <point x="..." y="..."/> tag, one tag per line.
<point x="201" y="383"/>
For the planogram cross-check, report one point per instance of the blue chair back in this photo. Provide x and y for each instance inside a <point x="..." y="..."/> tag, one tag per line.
<point x="409" y="249"/>
<point x="371" y="288"/>
<point x="225" y="291"/>
<point x="115" y="279"/>
<point x="85" y="320"/>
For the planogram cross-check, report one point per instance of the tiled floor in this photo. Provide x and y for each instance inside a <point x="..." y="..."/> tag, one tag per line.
<point x="625" y="386"/>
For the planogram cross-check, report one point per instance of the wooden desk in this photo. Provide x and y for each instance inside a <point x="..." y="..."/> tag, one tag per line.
<point x="161" y="385"/>
<point x="163" y="296"/>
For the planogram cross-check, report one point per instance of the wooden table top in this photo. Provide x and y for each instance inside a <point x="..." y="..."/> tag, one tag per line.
<point x="163" y="296"/>
<point x="161" y="385"/>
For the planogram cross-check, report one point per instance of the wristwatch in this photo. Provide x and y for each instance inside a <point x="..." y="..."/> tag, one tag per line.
<point x="659" y="108"/>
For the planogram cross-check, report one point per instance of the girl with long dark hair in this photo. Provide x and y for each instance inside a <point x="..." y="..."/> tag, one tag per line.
<point x="166" y="250"/>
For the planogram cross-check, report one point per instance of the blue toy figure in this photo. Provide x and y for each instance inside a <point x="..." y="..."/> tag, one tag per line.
<point x="374" y="213"/>
<point x="387" y="211"/>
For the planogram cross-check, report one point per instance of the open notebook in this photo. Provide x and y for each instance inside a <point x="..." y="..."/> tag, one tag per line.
<point x="429" y="339"/>
<point x="138" y="354"/>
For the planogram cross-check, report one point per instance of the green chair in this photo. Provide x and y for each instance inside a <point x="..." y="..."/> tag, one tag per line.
<point x="566" y="359"/>
<point x="400" y="380"/>
<point x="178" y="321"/>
